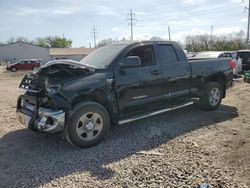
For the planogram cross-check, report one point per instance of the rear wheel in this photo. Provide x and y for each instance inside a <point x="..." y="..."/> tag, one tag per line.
<point x="88" y="124"/>
<point x="212" y="96"/>
<point x="13" y="69"/>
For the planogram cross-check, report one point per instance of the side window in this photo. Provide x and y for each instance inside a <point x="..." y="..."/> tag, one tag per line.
<point x="146" y="54"/>
<point x="21" y="62"/>
<point x="168" y="54"/>
<point x="221" y="56"/>
<point x="227" y="55"/>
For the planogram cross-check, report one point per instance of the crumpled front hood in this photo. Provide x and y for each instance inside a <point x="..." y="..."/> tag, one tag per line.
<point x="65" y="62"/>
<point x="70" y="62"/>
<point x="55" y="72"/>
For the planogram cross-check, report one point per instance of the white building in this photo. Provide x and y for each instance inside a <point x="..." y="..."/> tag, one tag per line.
<point x="17" y="51"/>
<point x="20" y="50"/>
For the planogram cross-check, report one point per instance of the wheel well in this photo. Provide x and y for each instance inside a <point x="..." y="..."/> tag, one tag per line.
<point x="98" y="100"/>
<point x="220" y="78"/>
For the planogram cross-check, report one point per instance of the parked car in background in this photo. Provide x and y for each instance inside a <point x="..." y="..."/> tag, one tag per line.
<point x="191" y="54"/>
<point x="26" y="64"/>
<point x="244" y="55"/>
<point x="235" y="64"/>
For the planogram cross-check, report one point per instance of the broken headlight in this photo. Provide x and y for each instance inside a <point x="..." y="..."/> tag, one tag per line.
<point x="53" y="89"/>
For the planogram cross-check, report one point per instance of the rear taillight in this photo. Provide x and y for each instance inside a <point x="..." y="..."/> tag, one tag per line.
<point x="232" y="64"/>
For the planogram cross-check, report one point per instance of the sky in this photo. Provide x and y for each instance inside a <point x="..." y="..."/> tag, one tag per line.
<point x="74" y="19"/>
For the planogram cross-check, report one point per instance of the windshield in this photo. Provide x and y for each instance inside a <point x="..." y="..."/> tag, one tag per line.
<point x="103" y="56"/>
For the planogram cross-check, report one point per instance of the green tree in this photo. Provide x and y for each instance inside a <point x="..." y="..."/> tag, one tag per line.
<point x="231" y="42"/>
<point x="54" y="42"/>
<point x="41" y="42"/>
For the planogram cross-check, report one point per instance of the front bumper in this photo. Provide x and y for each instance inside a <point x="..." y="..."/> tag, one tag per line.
<point x="43" y="119"/>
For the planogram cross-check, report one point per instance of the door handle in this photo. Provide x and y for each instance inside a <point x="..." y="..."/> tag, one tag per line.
<point x="156" y="72"/>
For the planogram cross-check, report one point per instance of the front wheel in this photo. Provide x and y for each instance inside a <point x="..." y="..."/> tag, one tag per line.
<point x="88" y="124"/>
<point x="212" y="96"/>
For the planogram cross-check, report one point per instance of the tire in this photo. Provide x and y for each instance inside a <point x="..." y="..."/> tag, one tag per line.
<point x="212" y="96"/>
<point x="13" y="69"/>
<point x="88" y="125"/>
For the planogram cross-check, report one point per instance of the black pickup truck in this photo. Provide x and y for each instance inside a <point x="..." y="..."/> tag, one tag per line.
<point x="118" y="84"/>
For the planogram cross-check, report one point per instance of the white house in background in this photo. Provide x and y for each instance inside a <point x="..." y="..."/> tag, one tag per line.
<point x="17" y="51"/>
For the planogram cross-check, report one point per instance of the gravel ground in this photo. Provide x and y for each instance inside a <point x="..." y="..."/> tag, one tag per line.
<point x="182" y="148"/>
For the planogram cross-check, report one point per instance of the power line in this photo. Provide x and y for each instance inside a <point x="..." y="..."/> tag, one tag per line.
<point x="201" y="13"/>
<point x="201" y="9"/>
<point x="131" y="19"/>
<point x="221" y="20"/>
<point x="94" y="32"/>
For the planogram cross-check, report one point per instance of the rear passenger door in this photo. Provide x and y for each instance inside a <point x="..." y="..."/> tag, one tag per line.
<point x="21" y="65"/>
<point x="29" y="65"/>
<point x="176" y="74"/>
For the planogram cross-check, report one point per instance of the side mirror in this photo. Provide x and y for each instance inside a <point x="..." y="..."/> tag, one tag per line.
<point x="131" y="61"/>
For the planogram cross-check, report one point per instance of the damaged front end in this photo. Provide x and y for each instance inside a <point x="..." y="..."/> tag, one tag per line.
<point x="35" y="117"/>
<point x="44" y="106"/>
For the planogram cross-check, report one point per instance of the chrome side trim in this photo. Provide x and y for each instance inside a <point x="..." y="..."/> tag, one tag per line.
<point x="154" y="113"/>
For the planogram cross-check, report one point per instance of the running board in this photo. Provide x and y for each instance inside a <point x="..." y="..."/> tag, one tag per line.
<point x="154" y="113"/>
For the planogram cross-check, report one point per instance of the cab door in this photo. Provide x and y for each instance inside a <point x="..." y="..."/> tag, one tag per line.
<point x="176" y="74"/>
<point x="139" y="87"/>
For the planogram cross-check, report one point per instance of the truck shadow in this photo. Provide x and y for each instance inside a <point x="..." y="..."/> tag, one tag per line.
<point x="33" y="159"/>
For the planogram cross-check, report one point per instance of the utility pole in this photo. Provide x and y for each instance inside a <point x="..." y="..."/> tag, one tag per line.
<point x="248" y="23"/>
<point x="131" y="19"/>
<point x="169" y="33"/>
<point x="212" y="30"/>
<point x="94" y="32"/>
